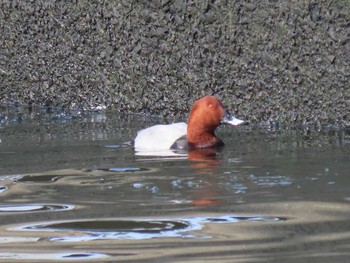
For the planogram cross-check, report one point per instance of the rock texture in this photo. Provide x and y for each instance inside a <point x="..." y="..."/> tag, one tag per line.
<point x="269" y="61"/>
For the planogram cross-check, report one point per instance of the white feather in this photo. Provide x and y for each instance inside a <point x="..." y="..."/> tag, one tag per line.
<point x="159" y="137"/>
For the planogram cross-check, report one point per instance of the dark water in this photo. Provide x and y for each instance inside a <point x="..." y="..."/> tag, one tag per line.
<point x="73" y="189"/>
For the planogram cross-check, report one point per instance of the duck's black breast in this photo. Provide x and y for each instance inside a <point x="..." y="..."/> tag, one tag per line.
<point x="180" y="143"/>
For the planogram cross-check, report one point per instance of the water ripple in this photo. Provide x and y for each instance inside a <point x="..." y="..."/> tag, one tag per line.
<point x="53" y="256"/>
<point x="21" y="208"/>
<point x="105" y="229"/>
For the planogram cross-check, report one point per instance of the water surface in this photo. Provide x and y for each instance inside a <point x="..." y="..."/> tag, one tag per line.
<point x="73" y="189"/>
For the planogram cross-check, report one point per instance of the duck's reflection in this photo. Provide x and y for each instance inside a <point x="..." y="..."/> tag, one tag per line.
<point x="204" y="158"/>
<point x="204" y="162"/>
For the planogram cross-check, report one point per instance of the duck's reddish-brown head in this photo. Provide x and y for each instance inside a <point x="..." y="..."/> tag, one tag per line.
<point x="206" y="115"/>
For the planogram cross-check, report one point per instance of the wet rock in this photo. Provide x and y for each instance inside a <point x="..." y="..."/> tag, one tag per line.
<point x="269" y="62"/>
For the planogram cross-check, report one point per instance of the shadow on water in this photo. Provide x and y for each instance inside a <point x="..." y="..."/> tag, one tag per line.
<point x="73" y="189"/>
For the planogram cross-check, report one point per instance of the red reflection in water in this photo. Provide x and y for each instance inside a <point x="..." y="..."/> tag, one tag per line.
<point x="204" y="162"/>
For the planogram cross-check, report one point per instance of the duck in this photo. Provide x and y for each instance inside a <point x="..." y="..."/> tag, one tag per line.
<point x="206" y="115"/>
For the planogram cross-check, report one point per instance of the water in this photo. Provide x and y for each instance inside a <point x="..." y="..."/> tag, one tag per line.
<point x="73" y="189"/>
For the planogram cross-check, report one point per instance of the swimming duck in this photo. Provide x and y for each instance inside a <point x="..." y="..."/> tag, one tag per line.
<point x="206" y="115"/>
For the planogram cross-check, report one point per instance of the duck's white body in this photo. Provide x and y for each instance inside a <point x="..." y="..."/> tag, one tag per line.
<point x="159" y="137"/>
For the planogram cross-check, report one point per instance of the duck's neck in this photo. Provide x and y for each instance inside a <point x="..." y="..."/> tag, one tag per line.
<point x="202" y="138"/>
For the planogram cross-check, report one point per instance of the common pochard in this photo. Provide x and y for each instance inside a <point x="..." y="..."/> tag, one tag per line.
<point x="206" y="115"/>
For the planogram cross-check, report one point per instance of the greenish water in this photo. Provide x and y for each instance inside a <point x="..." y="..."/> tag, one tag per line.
<point x="73" y="189"/>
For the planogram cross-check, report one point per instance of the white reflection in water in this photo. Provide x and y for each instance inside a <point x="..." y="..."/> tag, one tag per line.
<point x="18" y="208"/>
<point x="271" y="180"/>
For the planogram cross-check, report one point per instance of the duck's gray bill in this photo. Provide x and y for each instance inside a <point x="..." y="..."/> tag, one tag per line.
<point x="233" y="121"/>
